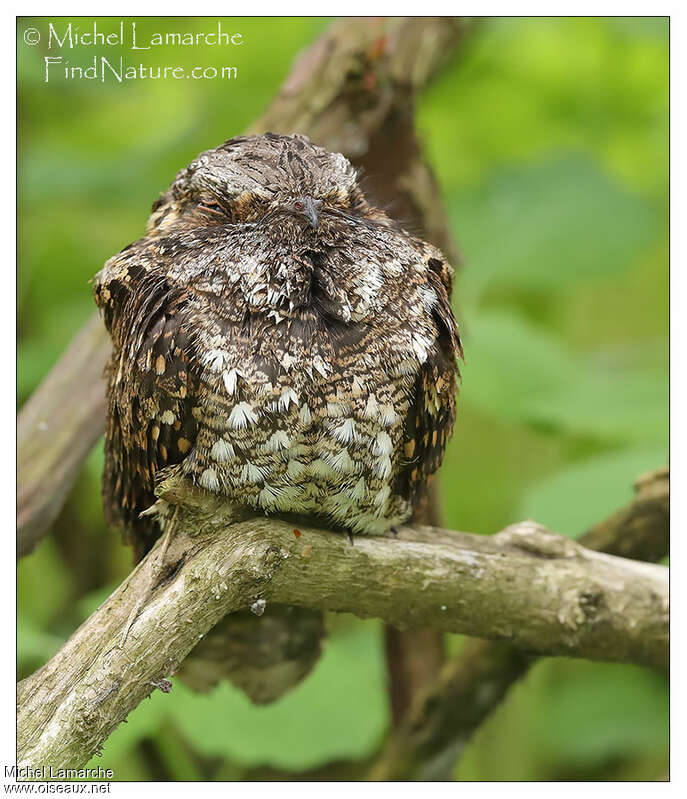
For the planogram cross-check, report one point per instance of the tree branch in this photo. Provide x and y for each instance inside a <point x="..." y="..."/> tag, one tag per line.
<point x="527" y="585"/>
<point x="352" y="91"/>
<point x="55" y="433"/>
<point x="443" y="718"/>
<point x="414" y="657"/>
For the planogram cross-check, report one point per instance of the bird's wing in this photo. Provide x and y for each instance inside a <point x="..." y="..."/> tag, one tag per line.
<point x="429" y="424"/>
<point x="152" y="386"/>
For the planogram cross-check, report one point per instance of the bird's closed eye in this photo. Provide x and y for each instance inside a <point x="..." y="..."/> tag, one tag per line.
<point x="213" y="208"/>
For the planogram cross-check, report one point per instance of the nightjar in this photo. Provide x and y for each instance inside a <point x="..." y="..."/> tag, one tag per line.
<point x="279" y="341"/>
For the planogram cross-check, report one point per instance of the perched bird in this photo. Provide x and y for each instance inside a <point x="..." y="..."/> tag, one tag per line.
<point x="278" y="341"/>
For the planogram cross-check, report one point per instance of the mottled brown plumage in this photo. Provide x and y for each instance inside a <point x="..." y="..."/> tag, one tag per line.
<point x="279" y="341"/>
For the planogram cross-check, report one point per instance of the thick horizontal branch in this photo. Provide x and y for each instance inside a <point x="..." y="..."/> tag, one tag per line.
<point x="525" y="585"/>
<point x="444" y="716"/>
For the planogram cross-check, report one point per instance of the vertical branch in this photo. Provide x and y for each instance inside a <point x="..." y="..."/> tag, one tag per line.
<point x="414" y="657"/>
<point x="364" y="106"/>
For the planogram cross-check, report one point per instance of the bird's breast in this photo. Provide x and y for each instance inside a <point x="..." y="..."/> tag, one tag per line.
<point x="306" y="429"/>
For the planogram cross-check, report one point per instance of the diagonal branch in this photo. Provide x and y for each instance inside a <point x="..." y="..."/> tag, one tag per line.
<point x="444" y="717"/>
<point x="526" y="585"/>
<point x="55" y="432"/>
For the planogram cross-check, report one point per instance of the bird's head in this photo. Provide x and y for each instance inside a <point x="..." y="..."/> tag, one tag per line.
<point x="279" y="222"/>
<point x="280" y="182"/>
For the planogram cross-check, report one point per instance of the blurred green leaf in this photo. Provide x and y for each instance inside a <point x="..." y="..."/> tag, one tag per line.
<point x="338" y="712"/>
<point x="488" y="464"/>
<point x="572" y="719"/>
<point x="519" y="371"/>
<point x="549" y="225"/>
<point x="624" y="404"/>
<point x="600" y="711"/>
<point x="575" y="498"/>
<point x="43" y="583"/>
<point x="509" y="362"/>
<point x="34" y="645"/>
<point x="527" y="88"/>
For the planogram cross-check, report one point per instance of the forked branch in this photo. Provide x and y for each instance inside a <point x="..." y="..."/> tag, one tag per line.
<point x="526" y="585"/>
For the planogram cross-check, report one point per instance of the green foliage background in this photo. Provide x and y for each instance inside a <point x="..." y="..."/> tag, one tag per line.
<point x="550" y="139"/>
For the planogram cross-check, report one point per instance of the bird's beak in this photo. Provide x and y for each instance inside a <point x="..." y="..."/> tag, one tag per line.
<point x="311" y="211"/>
